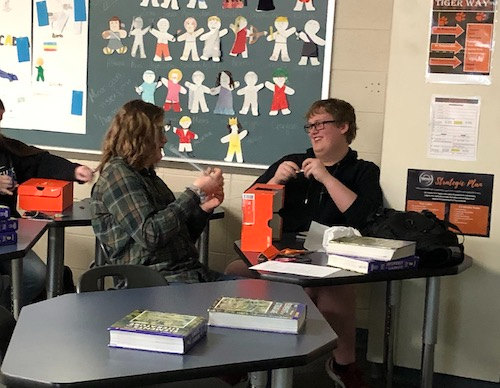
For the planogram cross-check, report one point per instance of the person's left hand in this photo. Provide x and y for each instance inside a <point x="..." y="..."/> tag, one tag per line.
<point x="315" y="168"/>
<point x="84" y="173"/>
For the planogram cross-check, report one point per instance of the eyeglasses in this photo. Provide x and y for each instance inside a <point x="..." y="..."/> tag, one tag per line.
<point x="319" y="126"/>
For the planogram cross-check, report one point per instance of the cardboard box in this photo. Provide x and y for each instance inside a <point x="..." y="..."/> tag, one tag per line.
<point x="261" y="223"/>
<point x="45" y="194"/>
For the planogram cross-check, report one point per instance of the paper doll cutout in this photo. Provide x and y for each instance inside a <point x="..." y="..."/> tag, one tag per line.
<point x="163" y="37"/>
<point x="197" y="91"/>
<point x="250" y="91"/>
<point x="114" y="35"/>
<point x="240" y="37"/>
<point x="202" y="4"/>
<point x="174" y="89"/>
<point x="280" y="91"/>
<point x="211" y="38"/>
<point x="300" y="4"/>
<point x="185" y="136"/>
<point x="265" y="5"/>
<point x="311" y="43"/>
<point x="236" y="134"/>
<point x="233" y="4"/>
<point x="154" y="3"/>
<point x="189" y="37"/>
<point x="138" y="32"/>
<point x="174" y="4"/>
<point x="40" y="70"/>
<point x="148" y="87"/>
<point x="224" y="89"/>
<point x="280" y="39"/>
<point x="59" y="20"/>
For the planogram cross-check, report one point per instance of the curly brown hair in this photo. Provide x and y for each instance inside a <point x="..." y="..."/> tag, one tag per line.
<point x="133" y="134"/>
<point x="341" y="111"/>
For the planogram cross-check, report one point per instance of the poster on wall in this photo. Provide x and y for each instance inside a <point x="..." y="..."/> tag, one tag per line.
<point x="44" y="64"/>
<point x="461" y="41"/>
<point x="463" y="199"/>
<point x="453" y="129"/>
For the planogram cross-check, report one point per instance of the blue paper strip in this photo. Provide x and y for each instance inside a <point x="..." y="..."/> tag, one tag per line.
<point x="80" y="11"/>
<point x="23" y="49"/>
<point x="43" y="14"/>
<point x="77" y="103"/>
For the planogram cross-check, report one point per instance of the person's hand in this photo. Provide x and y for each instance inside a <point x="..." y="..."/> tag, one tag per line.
<point x="315" y="168"/>
<point x="7" y="185"/>
<point x="286" y="171"/>
<point x="84" y="174"/>
<point x="212" y="184"/>
<point x="211" y="203"/>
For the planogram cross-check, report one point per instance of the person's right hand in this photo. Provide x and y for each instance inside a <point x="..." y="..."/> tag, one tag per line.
<point x="286" y="171"/>
<point x="212" y="184"/>
<point x="7" y="185"/>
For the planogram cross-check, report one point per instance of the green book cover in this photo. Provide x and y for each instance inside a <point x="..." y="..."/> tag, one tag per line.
<point x="258" y="307"/>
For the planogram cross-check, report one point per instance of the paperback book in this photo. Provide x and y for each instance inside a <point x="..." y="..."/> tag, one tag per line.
<point x="157" y="331"/>
<point x="364" y="265"/>
<point x="8" y="238"/>
<point x="9" y="225"/>
<point x="257" y="314"/>
<point x="371" y="247"/>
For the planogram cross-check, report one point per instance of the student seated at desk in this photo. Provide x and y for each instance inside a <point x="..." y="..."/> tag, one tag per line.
<point x="135" y="215"/>
<point x="18" y="163"/>
<point x="330" y="185"/>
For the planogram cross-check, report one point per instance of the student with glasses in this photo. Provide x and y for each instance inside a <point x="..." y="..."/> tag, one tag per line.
<point x="330" y="185"/>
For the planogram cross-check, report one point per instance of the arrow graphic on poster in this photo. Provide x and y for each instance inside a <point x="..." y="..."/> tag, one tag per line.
<point x="454" y="47"/>
<point x="445" y="62"/>
<point x="456" y="30"/>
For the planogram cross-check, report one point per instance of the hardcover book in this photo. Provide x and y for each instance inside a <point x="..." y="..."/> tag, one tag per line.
<point x="157" y="331"/>
<point x="257" y="314"/>
<point x="364" y="265"/>
<point x="8" y="238"/>
<point x="9" y="225"/>
<point x="371" y="247"/>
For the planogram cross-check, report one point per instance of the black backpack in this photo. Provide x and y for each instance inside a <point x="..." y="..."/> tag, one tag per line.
<point x="439" y="243"/>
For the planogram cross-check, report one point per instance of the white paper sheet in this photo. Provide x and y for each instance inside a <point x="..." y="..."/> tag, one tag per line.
<point x="295" y="268"/>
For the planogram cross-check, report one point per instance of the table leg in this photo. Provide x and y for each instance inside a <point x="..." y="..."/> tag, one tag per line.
<point x="55" y="261"/>
<point x="282" y="378"/>
<point x="258" y="379"/>
<point x="392" y="293"/>
<point x="429" y="335"/>
<point x="202" y="245"/>
<point x="17" y="286"/>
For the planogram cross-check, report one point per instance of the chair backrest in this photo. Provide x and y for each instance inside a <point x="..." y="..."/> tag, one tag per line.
<point x="132" y="276"/>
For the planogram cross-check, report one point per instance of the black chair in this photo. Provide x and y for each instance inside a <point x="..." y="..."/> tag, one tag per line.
<point x="127" y="275"/>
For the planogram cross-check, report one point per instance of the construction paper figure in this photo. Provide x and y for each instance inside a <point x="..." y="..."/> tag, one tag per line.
<point x="280" y="91"/>
<point x="114" y="35"/>
<point x="250" y="91"/>
<point x="174" y="89"/>
<point x="148" y="87"/>
<point x="300" y="4"/>
<point x="311" y="43"/>
<point x="163" y="37"/>
<point x="236" y="134"/>
<point x="154" y="3"/>
<point x="185" y="135"/>
<point x="189" y="37"/>
<point x="280" y="38"/>
<point x="265" y="5"/>
<point x="233" y="4"/>
<point x="240" y="37"/>
<point x="174" y="4"/>
<point x="59" y="19"/>
<point x="202" y="4"/>
<point x="224" y="89"/>
<point x="39" y="67"/>
<point x="138" y="32"/>
<point x="211" y="38"/>
<point x="197" y="91"/>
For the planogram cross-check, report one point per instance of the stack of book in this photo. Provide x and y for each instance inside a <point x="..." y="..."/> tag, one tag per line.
<point x="8" y="227"/>
<point x="371" y="254"/>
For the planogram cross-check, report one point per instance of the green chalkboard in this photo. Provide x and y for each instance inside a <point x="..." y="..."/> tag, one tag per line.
<point x="113" y="77"/>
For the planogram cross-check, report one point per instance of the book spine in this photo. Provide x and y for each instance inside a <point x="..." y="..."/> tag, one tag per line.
<point x="371" y="266"/>
<point x="195" y="336"/>
<point x="9" y="225"/>
<point x="4" y="212"/>
<point x="394" y="265"/>
<point x="8" y="238"/>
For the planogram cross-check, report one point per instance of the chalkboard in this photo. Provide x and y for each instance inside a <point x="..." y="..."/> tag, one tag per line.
<point x="113" y="77"/>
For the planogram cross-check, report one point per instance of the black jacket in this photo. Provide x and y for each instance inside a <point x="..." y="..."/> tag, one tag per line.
<point x="308" y="200"/>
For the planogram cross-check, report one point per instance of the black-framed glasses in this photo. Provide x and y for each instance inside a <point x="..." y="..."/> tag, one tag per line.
<point x="320" y="125"/>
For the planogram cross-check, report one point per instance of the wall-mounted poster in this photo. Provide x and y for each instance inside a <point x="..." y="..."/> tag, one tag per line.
<point x="463" y="199"/>
<point x="461" y="41"/>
